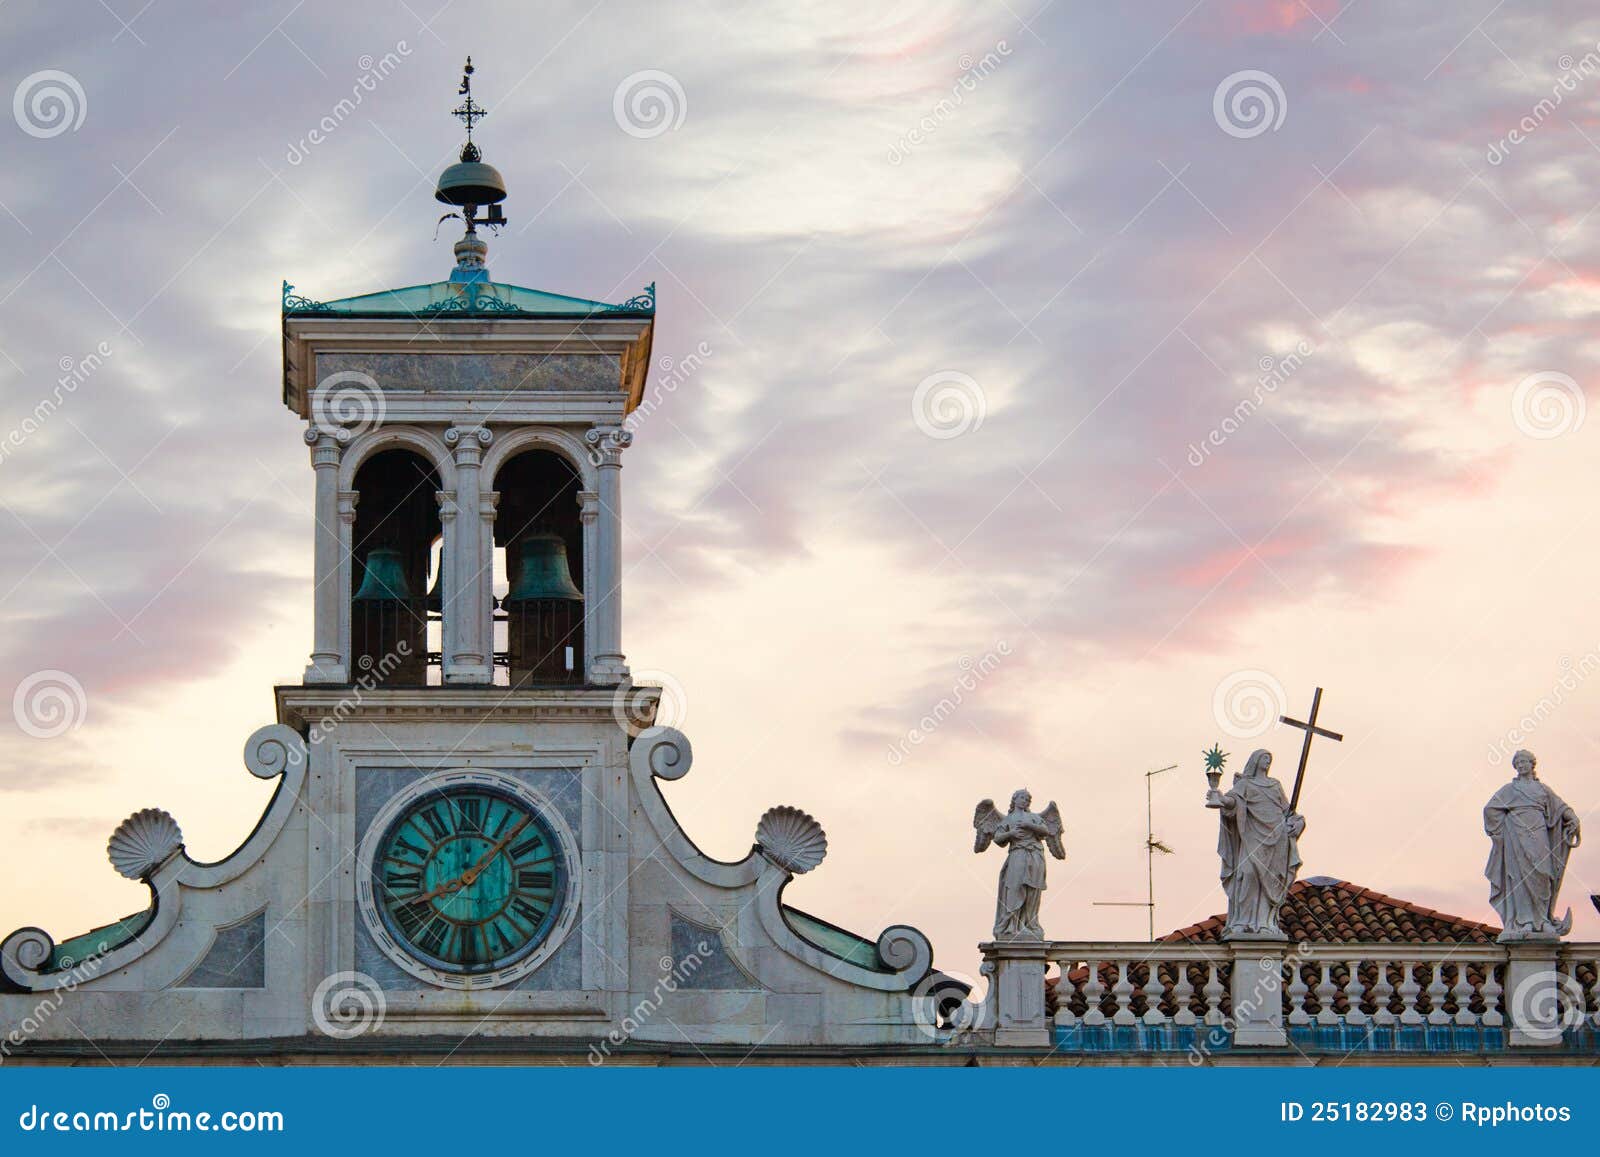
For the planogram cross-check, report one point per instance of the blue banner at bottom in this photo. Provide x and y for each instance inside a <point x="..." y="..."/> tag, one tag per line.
<point x="782" y="1110"/>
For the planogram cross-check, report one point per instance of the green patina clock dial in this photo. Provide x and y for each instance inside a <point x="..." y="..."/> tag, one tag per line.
<point x="469" y="880"/>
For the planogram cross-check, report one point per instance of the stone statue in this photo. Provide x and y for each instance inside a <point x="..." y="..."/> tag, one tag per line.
<point x="1259" y="849"/>
<point x="1020" y="832"/>
<point x="1531" y="830"/>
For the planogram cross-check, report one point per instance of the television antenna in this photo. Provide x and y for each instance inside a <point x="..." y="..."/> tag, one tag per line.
<point x="1151" y="847"/>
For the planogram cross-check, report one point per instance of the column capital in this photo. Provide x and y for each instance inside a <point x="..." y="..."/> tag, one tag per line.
<point x="346" y="507"/>
<point x="327" y="444"/>
<point x="447" y="504"/>
<point x="468" y="443"/>
<point x="606" y="444"/>
<point x="588" y="506"/>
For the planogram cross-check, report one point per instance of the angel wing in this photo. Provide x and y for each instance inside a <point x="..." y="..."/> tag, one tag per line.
<point x="984" y="821"/>
<point x="1052" y="822"/>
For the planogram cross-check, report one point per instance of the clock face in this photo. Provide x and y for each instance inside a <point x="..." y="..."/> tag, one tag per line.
<point x="468" y="880"/>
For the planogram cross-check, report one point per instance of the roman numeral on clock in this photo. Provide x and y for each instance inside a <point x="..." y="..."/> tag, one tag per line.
<point x="402" y="881"/>
<point x="533" y="880"/>
<point x="529" y="911"/>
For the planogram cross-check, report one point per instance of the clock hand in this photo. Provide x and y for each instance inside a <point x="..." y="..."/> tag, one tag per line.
<point x="468" y="877"/>
<point x="472" y="873"/>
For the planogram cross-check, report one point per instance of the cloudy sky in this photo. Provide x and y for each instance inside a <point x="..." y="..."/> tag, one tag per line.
<point x="1111" y="378"/>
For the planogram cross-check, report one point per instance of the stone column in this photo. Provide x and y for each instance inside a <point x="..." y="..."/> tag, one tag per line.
<point x="328" y="663"/>
<point x="1532" y="993"/>
<point x="603" y="603"/>
<point x="345" y="504"/>
<point x="468" y="579"/>
<point x="1019" y="968"/>
<point x="449" y="531"/>
<point x="1257" y="990"/>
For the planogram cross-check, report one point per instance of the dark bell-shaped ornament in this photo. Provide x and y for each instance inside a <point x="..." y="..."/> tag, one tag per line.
<point x="543" y="573"/>
<point x="471" y="182"/>
<point x="385" y="578"/>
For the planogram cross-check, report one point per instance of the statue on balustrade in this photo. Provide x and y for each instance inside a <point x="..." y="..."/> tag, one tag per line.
<point x="1532" y="830"/>
<point x="1024" y="834"/>
<point x="1258" y="844"/>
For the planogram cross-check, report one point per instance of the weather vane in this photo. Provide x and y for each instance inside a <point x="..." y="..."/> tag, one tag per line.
<point x="470" y="112"/>
<point x="471" y="185"/>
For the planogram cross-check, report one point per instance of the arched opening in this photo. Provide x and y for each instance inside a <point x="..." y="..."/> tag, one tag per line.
<point x="538" y="538"/>
<point x="397" y="524"/>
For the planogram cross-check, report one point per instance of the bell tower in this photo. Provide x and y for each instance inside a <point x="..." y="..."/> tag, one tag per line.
<point x="467" y="439"/>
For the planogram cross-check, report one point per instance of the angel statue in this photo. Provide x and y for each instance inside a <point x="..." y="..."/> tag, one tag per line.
<point x="1020" y="832"/>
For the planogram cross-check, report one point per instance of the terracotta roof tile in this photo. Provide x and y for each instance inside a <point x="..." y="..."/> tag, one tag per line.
<point x="1321" y="911"/>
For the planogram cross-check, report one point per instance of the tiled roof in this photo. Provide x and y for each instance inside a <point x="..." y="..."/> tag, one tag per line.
<point x="1322" y="910"/>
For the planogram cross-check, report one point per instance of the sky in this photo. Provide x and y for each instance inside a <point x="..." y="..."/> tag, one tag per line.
<point x="1046" y="393"/>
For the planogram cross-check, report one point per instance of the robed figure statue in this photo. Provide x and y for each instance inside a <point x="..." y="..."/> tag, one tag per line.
<point x="1259" y="849"/>
<point x="1531" y="831"/>
<point x="1024" y="834"/>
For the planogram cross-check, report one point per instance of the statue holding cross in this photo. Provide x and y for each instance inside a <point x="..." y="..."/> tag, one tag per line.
<point x="1258" y="837"/>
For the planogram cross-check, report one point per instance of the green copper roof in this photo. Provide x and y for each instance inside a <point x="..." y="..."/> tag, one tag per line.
<point x="469" y="298"/>
<point x="70" y="953"/>
<point x="834" y="940"/>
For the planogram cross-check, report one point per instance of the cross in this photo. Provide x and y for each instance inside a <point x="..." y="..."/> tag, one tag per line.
<point x="1310" y="728"/>
<point x="470" y="111"/>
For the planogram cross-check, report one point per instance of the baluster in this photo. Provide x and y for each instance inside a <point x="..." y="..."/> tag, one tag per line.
<point x="1326" y="991"/>
<point x="1093" y="990"/>
<point x="1493" y="1017"/>
<point x="1436" y="994"/>
<point x="1123" y="991"/>
<point x="1353" y="993"/>
<point x="1382" y="994"/>
<point x="1409" y="991"/>
<point x="1463" y="995"/>
<point x="1297" y="994"/>
<point x="1066" y="991"/>
<point x="1213" y="993"/>
<point x="1593" y="992"/>
<point x="1182" y="994"/>
<point x="1153" y="991"/>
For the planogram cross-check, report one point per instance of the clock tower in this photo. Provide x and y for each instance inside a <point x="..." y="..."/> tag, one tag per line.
<point x="469" y="847"/>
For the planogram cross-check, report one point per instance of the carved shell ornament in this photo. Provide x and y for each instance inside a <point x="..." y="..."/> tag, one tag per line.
<point x="791" y="839"/>
<point x="143" y="842"/>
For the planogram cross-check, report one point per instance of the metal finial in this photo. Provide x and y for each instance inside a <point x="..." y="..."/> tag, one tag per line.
<point x="470" y="111"/>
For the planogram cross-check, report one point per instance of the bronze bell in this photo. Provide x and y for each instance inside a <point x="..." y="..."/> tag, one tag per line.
<point x="385" y="579"/>
<point x="543" y="573"/>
